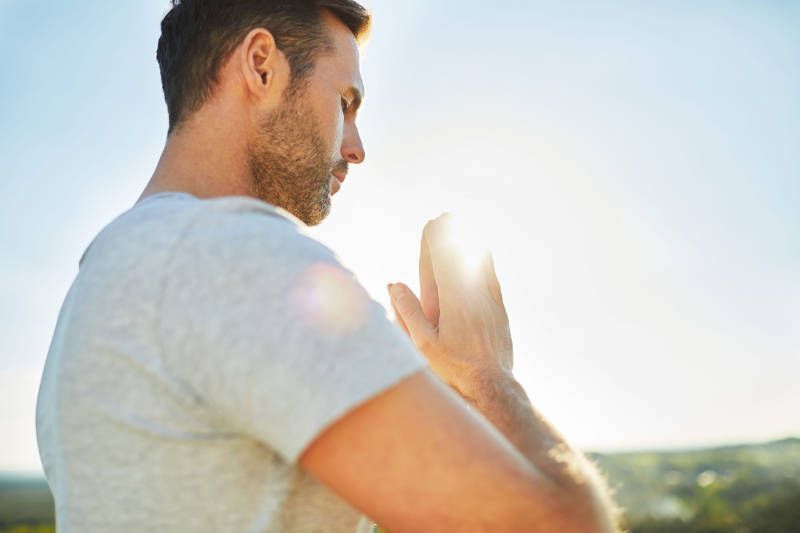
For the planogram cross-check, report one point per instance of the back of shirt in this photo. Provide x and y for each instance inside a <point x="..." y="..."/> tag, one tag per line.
<point x="202" y="347"/>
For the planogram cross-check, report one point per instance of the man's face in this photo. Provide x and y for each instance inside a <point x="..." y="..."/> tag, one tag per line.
<point x="300" y="152"/>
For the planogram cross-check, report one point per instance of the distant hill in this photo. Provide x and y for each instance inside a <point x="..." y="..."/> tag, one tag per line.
<point x="741" y="488"/>
<point x="748" y="488"/>
<point x="24" y="499"/>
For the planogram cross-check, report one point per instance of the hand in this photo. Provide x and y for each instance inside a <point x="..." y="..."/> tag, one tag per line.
<point x="460" y="325"/>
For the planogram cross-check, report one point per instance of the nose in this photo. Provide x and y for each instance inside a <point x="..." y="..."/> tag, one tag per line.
<point x="352" y="147"/>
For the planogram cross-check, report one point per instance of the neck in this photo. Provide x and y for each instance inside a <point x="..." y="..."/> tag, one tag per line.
<point x="204" y="160"/>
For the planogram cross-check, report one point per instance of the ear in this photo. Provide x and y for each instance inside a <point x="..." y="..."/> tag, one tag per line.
<point x="262" y="64"/>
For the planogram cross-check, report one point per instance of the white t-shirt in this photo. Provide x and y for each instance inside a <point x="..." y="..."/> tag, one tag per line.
<point x="202" y="347"/>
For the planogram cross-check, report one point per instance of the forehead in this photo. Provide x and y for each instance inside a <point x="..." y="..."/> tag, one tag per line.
<point x="343" y="63"/>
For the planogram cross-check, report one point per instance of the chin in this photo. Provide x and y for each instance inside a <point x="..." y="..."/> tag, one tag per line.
<point x="319" y="212"/>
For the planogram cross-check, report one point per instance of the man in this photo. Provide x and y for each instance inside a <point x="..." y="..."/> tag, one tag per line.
<point x="215" y="369"/>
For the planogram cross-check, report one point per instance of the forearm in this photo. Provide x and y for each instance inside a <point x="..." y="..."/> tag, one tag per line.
<point x="503" y="401"/>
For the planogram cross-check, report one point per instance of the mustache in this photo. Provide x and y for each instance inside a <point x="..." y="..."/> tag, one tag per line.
<point x="341" y="166"/>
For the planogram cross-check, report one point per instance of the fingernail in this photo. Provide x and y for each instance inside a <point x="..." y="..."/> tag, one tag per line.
<point x="394" y="290"/>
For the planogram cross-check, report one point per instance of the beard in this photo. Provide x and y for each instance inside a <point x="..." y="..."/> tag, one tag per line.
<point x="289" y="163"/>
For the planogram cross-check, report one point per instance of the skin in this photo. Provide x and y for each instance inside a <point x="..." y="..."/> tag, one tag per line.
<point x="239" y="141"/>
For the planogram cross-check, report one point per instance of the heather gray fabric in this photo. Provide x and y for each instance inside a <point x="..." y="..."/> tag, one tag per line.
<point x="202" y="347"/>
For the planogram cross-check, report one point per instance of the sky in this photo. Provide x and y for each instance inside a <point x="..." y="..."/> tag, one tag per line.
<point x="634" y="166"/>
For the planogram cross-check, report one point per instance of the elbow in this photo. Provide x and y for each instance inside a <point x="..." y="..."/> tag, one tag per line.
<point x="563" y="508"/>
<point x="579" y="499"/>
<point x="583" y="502"/>
<point x="587" y="508"/>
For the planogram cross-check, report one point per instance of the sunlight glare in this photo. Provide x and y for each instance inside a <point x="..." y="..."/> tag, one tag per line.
<point x="469" y="238"/>
<point x="329" y="299"/>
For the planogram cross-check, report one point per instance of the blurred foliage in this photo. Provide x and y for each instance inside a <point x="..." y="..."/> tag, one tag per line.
<point x="46" y="528"/>
<point x="737" y="489"/>
<point x="732" y="489"/>
<point x="26" y="504"/>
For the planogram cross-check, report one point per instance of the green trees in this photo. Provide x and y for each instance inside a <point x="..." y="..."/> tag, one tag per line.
<point x="736" y="489"/>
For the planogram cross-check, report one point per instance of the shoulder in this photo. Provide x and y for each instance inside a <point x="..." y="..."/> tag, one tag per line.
<point x="241" y="266"/>
<point x="245" y="208"/>
<point x="240" y="236"/>
<point x="168" y="223"/>
<point x="239" y="216"/>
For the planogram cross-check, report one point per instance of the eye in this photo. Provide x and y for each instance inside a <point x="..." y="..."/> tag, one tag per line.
<point x="345" y="105"/>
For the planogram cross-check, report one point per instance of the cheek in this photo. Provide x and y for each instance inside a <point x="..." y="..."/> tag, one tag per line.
<point x="331" y="126"/>
<point x="338" y="134"/>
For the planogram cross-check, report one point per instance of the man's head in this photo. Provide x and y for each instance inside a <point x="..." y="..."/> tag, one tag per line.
<point x="282" y="76"/>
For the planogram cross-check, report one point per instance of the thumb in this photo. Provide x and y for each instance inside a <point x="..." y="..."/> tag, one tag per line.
<point x="410" y="311"/>
<point x="397" y="317"/>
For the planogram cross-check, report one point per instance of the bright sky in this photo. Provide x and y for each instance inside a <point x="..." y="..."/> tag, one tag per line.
<point x="636" y="166"/>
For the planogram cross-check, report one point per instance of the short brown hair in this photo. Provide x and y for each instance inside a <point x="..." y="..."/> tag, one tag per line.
<point x="197" y="36"/>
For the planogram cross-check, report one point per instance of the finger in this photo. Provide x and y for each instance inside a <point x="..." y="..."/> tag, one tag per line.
<point x="428" y="290"/>
<point x="490" y="276"/>
<point x="410" y="310"/>
<point x="444" y="257"/>
<point x="398" y="319"/>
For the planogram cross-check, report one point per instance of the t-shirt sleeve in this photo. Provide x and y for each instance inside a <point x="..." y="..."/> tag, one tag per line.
<point x="268" y="327"/>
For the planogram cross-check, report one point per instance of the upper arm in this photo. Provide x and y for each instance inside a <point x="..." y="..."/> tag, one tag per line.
<point x="416" y="458"/>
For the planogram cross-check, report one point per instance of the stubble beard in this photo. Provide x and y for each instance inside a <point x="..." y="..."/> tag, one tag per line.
<point x="289" y="164"/>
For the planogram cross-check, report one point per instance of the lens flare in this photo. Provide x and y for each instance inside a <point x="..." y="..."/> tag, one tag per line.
<point x="469" y="240"/>
<point x="329" y="299"/>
